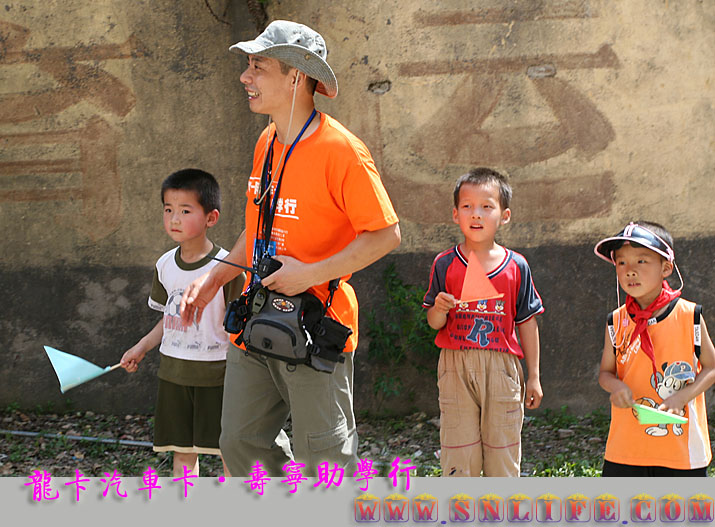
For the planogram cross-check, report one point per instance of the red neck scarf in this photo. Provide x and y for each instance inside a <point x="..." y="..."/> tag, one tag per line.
<point x="641" y="317"/>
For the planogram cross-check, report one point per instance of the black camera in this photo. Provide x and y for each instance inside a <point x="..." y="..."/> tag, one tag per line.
<point x="237" y="314"/>
<point x="243" y="308"/>
<point x="267" y="266"/>
<point x="251" y="301"/>
<point x="293" y="329"/>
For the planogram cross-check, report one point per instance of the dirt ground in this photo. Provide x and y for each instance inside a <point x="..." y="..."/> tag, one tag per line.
<point x="554" y="444"/>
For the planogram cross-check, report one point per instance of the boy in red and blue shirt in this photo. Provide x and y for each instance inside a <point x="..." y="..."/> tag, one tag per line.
<point x="480" y="380"/>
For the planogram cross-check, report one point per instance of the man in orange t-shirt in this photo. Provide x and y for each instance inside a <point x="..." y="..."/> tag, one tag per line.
<point x="331" y="217"/>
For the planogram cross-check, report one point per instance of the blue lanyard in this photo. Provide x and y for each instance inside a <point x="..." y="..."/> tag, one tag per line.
<point x="267" y="207"/>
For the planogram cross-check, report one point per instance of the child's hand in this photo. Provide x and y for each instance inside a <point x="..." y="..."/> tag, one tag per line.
<point x="444" y="302"/>
<point x="675" y="404"/>
<point x="131" y="359"/>
<point x="622" y="397"/>
<point x="534" y="394"/>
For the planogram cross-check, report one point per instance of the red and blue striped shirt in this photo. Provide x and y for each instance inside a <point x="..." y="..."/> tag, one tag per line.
<point x="484" y="324"/>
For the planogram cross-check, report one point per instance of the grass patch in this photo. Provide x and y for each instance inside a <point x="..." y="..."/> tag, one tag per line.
<point x="563" y="466"/>
<point x="558" y="443"/>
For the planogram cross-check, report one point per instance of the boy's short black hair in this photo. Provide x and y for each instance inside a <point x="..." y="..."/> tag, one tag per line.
<point x="485" y="176"/>
<point x="201" y="182"/>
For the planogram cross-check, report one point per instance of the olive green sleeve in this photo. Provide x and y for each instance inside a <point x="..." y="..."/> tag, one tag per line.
<point x="158" y="295"/>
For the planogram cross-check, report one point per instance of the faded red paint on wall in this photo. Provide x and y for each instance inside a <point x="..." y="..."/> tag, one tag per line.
<point x="78" y="79"/>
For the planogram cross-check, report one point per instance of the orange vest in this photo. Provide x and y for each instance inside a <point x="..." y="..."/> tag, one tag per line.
<point x="675" y="336"/>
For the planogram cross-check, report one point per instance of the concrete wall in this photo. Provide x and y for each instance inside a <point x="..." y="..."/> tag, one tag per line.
<point x="601" y="112"/>
<point x="99" y="102"/>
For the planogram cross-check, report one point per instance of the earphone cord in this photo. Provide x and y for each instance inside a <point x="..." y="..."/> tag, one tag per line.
<point x="285" y="145"/>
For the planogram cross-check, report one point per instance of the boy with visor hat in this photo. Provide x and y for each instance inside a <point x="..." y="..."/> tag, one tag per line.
<point x="657" y="352"/>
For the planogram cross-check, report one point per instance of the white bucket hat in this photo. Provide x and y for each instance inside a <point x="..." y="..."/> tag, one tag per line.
<point x="298" y="46"/>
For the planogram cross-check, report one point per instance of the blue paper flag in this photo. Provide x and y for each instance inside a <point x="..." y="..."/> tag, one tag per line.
<point x="72" y="370"/>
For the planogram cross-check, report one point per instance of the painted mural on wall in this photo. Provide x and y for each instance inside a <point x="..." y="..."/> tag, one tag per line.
<point x="454" y="134"/>
<point x="588" y="104"/>
<point x="90" y="172"/>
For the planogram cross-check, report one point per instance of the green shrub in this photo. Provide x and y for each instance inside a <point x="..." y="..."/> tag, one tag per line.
<point x="399" y="336"/>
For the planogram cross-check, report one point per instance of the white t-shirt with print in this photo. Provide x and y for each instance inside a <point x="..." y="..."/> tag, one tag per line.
<point x="206" y="341"/>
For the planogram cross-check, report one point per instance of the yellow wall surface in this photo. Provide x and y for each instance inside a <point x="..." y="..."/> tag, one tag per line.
<point x="99" y="102"/>
<point x="601" y="112"/>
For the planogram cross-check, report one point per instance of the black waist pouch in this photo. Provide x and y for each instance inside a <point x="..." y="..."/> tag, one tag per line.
<point x="289" y="328"/>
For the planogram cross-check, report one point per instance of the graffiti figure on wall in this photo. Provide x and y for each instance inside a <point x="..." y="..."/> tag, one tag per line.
<point x="78" y="78"/>
<point x="577" y="123"/>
